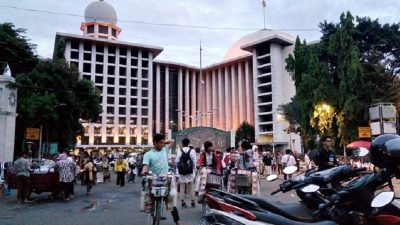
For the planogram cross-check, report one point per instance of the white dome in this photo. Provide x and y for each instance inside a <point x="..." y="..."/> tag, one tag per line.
<point x="235" y="51"/>
<point x="100" y="11"/>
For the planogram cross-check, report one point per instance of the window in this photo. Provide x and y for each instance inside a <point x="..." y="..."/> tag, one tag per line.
<point x="122" y="111"/>
<point x="110" y="100"/>
<point x="87" y="47"/>
<point x="110" y="130"/>
<point x="110" y="120"/>
<point x="132" y="122"/>
<point x="103" y="29"/>
<point x="134" y="83"/>
<point x="145" y="112"/>
<point x="110" y="110"/>
<point x="75" y="44"/>
<point x="90" y="29"/>
<point x="111" y="80"/>
<point x="134" y="73"/>
<point x="99" y="80"/>
<point x="134" y="52"/>
<point x="133" y="112"/>
<point x="97" y="140"/>
<point x="74" y="55"/>
<point x="134" y="62"/>
<point x="145" y="102"/>
<point x="122" y="101"/>
<point x="145" y="55"/>
<point x="121" y="130"/>
<point x="114" y="33"/>
<point x="111" y="70"/>
<point x="74" y="64"/>
<point x="87" y="77"/>
<point x="85" y="140"/>
<point x="145" y="73"/>
<point x="96" y="130"/>
<point x="145" y="64"/>
<point x="99" y="48"/>
<point x="122" y="81"/>
<point x="121" y="140"/>
<point x="122" y="61"/>
<point x="145" y="83"/>
<point x="122" y="51"/>
<point x="133" y="140"/>
<point x="110" y="140"/>
<point x="122" y="71"/>
<point x="122" y="91"/>
<point x="99" y="68"/>
<point x="87" y="56"/>
<point x="121" y="120"/>
<point x="99" y="58"/>
<point x="87" y="67"/>
<point x="100" y="89"/>
<point x="145" y="93"/>
<point x="110" y="90"/>
<point x="133" y="92"/>
<point x="133" y="102"/>
<point x="111" y="59"/>
<point x="145" y="121"/>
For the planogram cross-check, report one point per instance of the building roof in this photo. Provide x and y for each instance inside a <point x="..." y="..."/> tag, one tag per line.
<point x="240" y="48"/>
<point x="153" y="49"/>
<point x="177" y="64"/>
<point x="100" y="11"/>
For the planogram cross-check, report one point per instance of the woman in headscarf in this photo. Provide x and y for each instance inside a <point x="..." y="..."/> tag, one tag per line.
<point x="89" y="174"/>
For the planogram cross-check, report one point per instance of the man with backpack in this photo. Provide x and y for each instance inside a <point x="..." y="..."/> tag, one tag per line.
<point x="186" y="171"/>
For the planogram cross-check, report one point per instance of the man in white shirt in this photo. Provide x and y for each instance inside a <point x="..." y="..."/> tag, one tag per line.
<point x="288" y="160"/>
<point x="186" y="178"/>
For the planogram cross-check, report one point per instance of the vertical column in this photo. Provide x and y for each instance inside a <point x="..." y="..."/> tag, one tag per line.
<point x="139" y="132"/>
<point x="214" y="109"/>
<point x="180" y="108"/>
<point x="150" y="94"/>
<point x="128" y="96"/>
<point x="203" y="99"/>
<point x="187" y="99"/>
<point x="242" y="106"/>
<point x="228" y="111"/>
<point x="221" y="102"/>
<point x="208" y="110"/>
<point x="235" y="108"/>
<point x="248" y="90"/>
<point x="158" y="95"/>
<point x="194" y="97"/>
<point x="255" y="100"/>
<point x="200" y="99"/>
<point x="166" y="99"/>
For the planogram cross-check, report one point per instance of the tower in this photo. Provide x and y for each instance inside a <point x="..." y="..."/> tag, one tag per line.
<point x="100" y="21"/>
<point x="8" y="106"/>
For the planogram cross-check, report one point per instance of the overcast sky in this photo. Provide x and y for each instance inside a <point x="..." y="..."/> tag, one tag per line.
<point x="296" y="17"/>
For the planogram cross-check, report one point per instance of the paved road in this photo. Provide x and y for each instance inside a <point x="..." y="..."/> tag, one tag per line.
<point x="107" y="205"/>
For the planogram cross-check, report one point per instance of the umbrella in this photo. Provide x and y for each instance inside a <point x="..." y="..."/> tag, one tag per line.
<point x="357" y="144"/>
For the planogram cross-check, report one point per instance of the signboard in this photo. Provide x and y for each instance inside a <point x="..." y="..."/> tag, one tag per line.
<point x="198" y="135"/>
<point x="389" y="128"/>
<point x="376" y="128"/>
<point x="32" y="134"/>
<point x="364" y="132"/>
<point x="374" y="113"/>
<point x="388" y="111"/>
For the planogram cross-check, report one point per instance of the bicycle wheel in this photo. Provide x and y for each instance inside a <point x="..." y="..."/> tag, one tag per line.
<point x="157" y="212"/>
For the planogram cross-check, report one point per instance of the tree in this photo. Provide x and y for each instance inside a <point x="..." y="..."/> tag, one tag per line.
<point x="353" y="66"/>
<point x="245" y="131"/>
<point x="52" y="95"/>
<point x="16" y="51"/>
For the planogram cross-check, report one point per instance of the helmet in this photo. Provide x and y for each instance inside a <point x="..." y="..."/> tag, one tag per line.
<point x="385" y="150"/>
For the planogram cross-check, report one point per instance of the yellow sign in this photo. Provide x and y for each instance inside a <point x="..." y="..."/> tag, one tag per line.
<point x="32" y="133"/>
<point x="364" y="132"/>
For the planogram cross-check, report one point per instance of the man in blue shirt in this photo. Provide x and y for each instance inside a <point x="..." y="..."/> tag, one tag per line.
<point x="156" y="161"/>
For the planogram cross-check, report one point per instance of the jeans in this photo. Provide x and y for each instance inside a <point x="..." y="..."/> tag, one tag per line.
<point x="121" y="178"/>
<point x="23" y="188"/>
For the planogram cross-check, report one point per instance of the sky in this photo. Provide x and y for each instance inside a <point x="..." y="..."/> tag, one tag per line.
<point x="296" y="17"/>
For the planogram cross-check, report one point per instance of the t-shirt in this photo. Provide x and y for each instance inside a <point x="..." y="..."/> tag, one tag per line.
<point x="267" y="160"/>
<point x="21" y="166"/>
<point x="157" y="161"/>
<point x="246" y="160"/>
<point x="325" y="159"/>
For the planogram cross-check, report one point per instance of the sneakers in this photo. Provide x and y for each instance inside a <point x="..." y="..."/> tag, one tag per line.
<point x="193" y="204"/>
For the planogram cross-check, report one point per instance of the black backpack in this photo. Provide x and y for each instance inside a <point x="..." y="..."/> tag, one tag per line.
<point x="185" y="165"/>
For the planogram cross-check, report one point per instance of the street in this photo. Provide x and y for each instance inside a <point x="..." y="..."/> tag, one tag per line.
<point x="107" y="205"/>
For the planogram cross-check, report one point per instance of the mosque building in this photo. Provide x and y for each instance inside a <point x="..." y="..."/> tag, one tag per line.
<point x="141" y="95"/>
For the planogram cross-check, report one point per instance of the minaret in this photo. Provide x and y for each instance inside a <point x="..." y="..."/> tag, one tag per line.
<point x="8" y="115"/>
<point x="100" y="21"/>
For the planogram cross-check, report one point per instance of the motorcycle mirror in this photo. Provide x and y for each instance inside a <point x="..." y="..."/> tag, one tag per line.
<point x="272" y="177"/>
<point x="310" y="188"/>
<point x="382" y="199"/>
<point x="361" y="152"/>
<point x="290" y="169"/>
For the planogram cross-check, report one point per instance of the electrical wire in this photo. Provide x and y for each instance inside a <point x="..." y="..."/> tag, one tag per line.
<point x="153" y="23"/>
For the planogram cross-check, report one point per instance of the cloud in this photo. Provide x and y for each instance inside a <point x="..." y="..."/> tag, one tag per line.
<point x="182" y="44"/>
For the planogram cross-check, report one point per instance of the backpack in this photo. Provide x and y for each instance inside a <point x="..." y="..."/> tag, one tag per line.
<point x="185" y="165"/>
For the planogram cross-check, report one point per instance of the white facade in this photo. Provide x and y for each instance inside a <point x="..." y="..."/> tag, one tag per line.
<point x="140" y="96"/>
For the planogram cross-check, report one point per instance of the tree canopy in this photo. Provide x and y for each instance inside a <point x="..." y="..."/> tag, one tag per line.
<point x="355" y="64"/>
<point x="245" y="131"/>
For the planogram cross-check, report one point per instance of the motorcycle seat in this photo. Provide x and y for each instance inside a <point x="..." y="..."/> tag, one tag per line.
<point x="293" y="211"/>
<point x="271" y="218"/>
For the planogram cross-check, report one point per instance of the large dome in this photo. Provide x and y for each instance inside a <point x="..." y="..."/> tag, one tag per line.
<point x="100" y="11"/>
<point x="235" y="51"/>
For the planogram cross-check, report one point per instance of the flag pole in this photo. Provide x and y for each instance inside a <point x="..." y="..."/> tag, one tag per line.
<point x="264" y="4"/>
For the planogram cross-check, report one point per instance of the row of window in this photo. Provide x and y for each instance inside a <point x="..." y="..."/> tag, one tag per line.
<point x="87" y="47"/>
<point x="133" y="111"/>
<point x="99" y="68"/>
<point x="122" y="100"/>
<point x="110" y="140"/>
<point x="111" y="59"/>
<point x="110" y="130"/>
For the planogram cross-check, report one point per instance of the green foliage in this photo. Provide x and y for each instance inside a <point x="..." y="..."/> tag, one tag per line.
<point x="351" y="67"/>
<point x="52" y="95"/>
<point x="16" y="51"/>
<point x="245" y="131"/>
